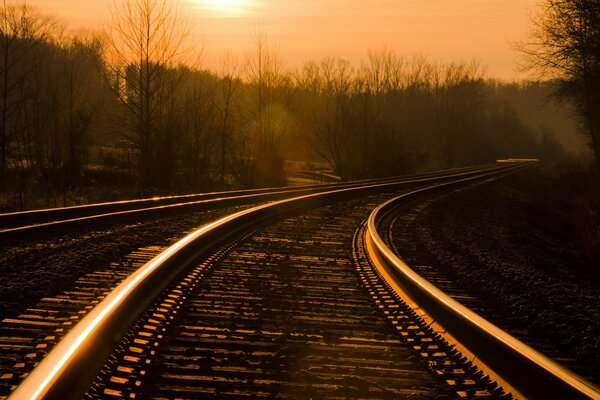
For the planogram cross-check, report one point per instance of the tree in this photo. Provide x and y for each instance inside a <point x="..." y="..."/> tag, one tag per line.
<point x="565" y="45"/>
<point x="265" y="74"/>
<point x="78" y="93"/>
<point x="23" y="29"/>
<point x="147" y="40"/>
<point x="199" y="121"/>
<point x="331" y="83"/>
<point x="379" y="81"/>
<point x="227" y="104"/>
<point x="459" y="98"/>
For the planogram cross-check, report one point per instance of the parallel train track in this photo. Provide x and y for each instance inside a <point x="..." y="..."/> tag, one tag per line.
<point x="240" y="310"/>
<point x="25" y="225"/>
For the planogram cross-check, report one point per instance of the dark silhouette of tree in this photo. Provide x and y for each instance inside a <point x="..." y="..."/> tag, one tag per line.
<point x="265" y="74"/>
<point x="23" y="30"/>
<point x="459" y="97"/>
<point x="330" y="84"/>
<point x="78" y="94"/>
<point x="198" y="120"/>
<point x="228" y="105"/>
<point x="147" y="39"/>
<point x="565" y="45"/>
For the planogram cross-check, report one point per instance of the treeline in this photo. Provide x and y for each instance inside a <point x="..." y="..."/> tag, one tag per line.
<point x="121" y="113"/>
<point x="394" y="115"/>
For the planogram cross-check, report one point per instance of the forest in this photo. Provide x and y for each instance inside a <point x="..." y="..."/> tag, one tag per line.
<point x="132" y="112"/>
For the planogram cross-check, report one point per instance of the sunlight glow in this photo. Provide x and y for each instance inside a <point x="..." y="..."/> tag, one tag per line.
<point x="225" y="7"/>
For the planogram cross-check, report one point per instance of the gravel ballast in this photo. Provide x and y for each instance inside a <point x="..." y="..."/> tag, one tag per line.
<point x="43" y="268"/>
<point x="510" y="244"/>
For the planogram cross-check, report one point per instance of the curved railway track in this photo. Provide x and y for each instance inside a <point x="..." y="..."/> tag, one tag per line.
<point x="520" y="368"/>
<point x="28" y="225"/>
<point x="239" y="309"/>
<point x="487" y="290"/>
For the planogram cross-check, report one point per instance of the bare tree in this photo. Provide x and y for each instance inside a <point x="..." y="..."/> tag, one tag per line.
<point x="228" y="105"/>
<point x="265" y="75"/>
<point x="331" y="83"/>
<point x="565" y="45"/>
<point x="458" y="96"/>
<point x="378" y="80"/>
<point x="147" y="39"/>
<point x="22" y="30"/>
<point x="78" y="94"/>
<point x="199" y="120"/>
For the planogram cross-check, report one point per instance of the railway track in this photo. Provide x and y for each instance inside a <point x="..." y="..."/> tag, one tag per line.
<point x="291" y="310"/>
<point x="28" y="225"/>
<point x="404" y="234"/>
<point x="34" y="217"/>
<point x="280" y="315"/>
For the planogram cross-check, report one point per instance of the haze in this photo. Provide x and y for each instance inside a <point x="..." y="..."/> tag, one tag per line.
<point x="310" y="29"/>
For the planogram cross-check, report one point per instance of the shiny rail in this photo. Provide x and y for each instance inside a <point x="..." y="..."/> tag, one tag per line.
<point x="53" y="222"/>
<point x="32" y="217"/>
<point x="72" y="364"/>
<point x="525" y="370"/>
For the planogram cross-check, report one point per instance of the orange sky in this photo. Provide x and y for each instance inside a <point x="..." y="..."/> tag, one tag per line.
<point x="443" y="30"/>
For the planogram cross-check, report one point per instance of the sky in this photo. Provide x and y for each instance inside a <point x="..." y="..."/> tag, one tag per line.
<point x="303" y="30"/>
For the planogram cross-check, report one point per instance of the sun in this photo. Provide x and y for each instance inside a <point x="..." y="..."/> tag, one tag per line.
<point x="226" y="7"/>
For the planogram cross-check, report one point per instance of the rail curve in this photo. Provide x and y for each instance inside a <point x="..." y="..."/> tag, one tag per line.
<point x="35" y="217"/>
<point x="40" y="223"/>
<point x="524" y="369"/>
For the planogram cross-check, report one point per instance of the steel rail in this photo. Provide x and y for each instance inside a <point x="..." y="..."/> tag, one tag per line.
<point x="66" y="371"/>
<point x="527" y="371"/>
<point x="54" y="228"/>
<point x="31" y="217"/>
